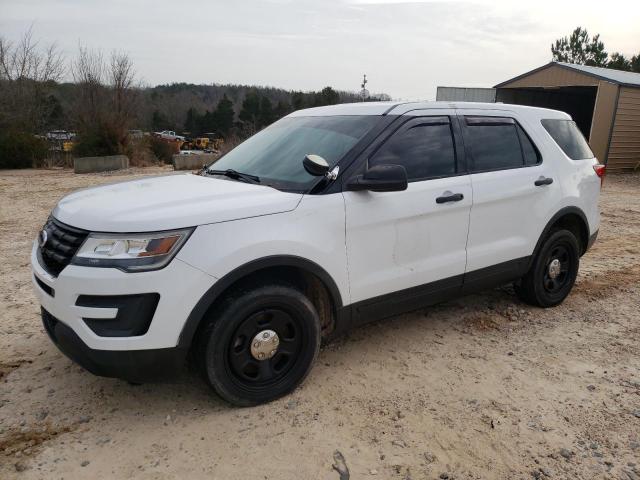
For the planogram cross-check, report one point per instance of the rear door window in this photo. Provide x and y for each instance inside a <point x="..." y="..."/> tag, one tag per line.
<point x="494" y="143"/>
<point x="568" y="137"/>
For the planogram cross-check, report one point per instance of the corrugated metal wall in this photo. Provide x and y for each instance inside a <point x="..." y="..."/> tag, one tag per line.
<point x="602" y="123"/>
<point x="461" y="94"/>
<point x="624" y="151"/>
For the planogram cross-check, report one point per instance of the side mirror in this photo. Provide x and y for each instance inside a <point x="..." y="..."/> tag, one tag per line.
<point x="315" y="165"/>
<point x="380" y="178"/>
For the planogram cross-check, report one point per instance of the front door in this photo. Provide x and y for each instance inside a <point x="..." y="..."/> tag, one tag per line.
<point x="404" y="246"/>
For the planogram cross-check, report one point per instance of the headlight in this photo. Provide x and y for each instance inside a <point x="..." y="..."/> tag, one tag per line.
<point x="131" y="252"/>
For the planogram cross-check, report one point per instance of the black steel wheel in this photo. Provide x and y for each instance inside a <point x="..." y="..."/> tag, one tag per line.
<point x="557" y="271"/>
<point x="260" y="344"/>
<point x="553" y="272"/>
<point x="264" y="347"/>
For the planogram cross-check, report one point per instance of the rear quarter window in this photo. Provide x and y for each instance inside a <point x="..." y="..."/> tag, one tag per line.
<point x="569" y="138"/>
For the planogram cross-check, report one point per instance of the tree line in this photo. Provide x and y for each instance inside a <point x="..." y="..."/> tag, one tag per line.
<point x="208" y="108"/>
<point x="580" y="48"/>
<point x="105" y="100"/>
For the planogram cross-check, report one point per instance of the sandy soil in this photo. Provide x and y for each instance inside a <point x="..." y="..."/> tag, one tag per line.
<point x="483" y="387"/>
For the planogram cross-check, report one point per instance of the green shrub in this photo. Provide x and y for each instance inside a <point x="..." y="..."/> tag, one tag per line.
<point x="21" y="150"/>
<point x="163" y="150"/>
<point x="97" y="143"/>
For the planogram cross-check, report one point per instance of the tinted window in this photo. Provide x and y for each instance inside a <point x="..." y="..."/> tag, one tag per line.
<point x="531" y="155"/>
<point x="568" y="137"/>
<point x="275" y="154"/>
<point x="425" y="150"/>
<point x="494" y="145"/>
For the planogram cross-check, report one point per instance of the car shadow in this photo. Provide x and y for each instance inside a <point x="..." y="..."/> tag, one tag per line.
<point x="68" y="388"/>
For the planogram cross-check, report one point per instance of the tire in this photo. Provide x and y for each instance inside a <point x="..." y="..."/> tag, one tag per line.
<point x="544" y="286"/>
<point x="228" y="353"/>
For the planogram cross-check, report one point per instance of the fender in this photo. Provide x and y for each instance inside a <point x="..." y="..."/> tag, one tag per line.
<point x="559" y="214"/>
<point x="193" y="320"/>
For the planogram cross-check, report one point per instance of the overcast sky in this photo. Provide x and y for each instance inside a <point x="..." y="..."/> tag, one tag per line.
<point x="405" y="48"/>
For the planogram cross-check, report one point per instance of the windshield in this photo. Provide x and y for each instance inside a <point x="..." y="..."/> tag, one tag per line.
<point x="275" y="154"/>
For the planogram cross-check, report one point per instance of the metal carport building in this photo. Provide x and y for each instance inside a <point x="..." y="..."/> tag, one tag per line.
<point x="605" y="104"/>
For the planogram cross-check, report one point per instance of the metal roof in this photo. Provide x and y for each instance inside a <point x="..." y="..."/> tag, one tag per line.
<point x="616" y="76"/>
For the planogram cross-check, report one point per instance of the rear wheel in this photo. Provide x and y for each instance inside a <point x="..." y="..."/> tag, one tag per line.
<point x="554" y="271"/>
<point x="260" y="344"/>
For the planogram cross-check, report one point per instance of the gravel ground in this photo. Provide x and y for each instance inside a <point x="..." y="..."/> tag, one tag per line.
<point x="482" y="387"/>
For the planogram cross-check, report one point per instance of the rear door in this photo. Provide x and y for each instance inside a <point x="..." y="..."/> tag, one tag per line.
<point x="414" y="238"/>
<point x="514" y="192"/>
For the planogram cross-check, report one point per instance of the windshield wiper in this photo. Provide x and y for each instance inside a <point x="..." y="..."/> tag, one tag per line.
<point x="229" y="172"/>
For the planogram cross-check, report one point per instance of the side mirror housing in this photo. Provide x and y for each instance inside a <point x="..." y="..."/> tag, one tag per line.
<point x="315" y="165"/>
<point x="380" y="178"/>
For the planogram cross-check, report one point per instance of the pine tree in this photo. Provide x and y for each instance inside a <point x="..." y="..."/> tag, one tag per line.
<point x="159" y="121"/>
<point x="619" y="62"/>
<point x="223" y="116"/>
<point x="193" y="122"/>
<point x="328" y="96"/>
<point x="282" y="109"/>
<point x="250" y="112"/>
<point x="580" y="48"/>
<point x="266" y="113"/>
<point x="297" y="100"/>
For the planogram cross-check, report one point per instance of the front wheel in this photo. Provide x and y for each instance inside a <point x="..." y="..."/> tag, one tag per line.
<point x="260" y="344"/>
<point x="553" y="272"/>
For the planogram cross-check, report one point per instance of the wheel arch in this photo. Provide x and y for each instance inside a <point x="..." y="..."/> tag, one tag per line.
<point x="287" y="267"/>
<point x="571" y="218"/>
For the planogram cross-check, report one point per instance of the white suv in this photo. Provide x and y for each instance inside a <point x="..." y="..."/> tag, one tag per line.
<point x="329" y="218"/>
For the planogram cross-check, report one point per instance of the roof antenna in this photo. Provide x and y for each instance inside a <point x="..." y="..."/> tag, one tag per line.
<point x="364" y="93"/>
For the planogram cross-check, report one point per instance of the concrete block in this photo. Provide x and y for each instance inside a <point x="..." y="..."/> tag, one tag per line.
<point x="100" y="164"/>
<point x="193" y="162"/>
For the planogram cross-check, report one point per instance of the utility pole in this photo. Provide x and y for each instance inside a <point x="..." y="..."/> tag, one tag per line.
<point x="364" y="93"/>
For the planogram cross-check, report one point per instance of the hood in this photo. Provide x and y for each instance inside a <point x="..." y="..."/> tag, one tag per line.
<point x="168" y="202"/>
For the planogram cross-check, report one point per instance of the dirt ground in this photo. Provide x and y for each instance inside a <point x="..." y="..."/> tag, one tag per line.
<point x="479" y="388"/>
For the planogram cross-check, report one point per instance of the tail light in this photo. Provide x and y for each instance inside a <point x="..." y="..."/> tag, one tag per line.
<point x="600" y="171"/>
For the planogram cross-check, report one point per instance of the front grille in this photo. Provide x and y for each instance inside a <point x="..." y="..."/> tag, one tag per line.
<point x="62" y="243"/>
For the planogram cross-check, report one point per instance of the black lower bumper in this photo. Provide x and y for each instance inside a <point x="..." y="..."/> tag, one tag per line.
<point x="592" y="240"/>
<point x="138" y="366"/>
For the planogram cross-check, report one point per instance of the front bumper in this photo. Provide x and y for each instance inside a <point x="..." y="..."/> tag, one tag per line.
<point x="179" y="287"/>
<point x="132" y="365"/>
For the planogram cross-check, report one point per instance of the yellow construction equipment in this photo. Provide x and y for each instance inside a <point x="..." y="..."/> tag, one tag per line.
<point x="202" y="143"/>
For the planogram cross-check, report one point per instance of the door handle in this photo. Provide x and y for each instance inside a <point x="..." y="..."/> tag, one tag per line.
<point x="454" y="197"/>
<point x="543" y="181"/>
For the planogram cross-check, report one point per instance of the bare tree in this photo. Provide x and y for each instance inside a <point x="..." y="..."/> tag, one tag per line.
<point x="27" y="72"/>
<point x="106" y="102"/>
<point x="123" y="92"/>
<point x="88" y="75"/>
